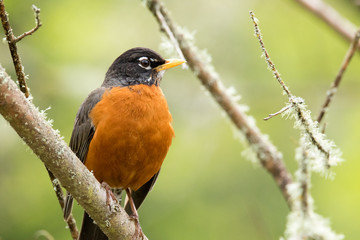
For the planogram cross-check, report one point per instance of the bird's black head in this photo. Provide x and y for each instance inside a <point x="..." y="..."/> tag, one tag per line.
<point x="138" y="66"/>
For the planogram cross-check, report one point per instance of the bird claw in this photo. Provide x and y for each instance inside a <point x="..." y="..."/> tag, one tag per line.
<point x="138" y="231"/>
<point x="109" y="194"/>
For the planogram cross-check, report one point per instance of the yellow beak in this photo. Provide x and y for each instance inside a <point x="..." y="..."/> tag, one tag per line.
<point x="169" y="63"/>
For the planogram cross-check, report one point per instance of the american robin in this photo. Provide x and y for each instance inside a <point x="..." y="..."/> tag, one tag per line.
<point x="123" y="130"/>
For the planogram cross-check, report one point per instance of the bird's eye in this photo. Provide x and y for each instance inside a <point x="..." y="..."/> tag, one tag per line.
<point x="144" y="62"/>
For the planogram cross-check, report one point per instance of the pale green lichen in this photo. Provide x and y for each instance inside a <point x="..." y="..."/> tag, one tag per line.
<point x="306" y="225"/>
<point x="322" y="152"/>
<point x="72" y="174"/>
<point x="107" y="223"/>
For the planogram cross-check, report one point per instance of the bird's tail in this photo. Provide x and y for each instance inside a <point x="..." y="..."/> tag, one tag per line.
<point x="68" y="206"/>
<point x="90" y="231"/>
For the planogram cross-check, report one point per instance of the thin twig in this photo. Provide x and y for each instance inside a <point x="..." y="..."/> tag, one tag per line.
<point x="12" y="40"/>
<point x="60" y="196"/>
<point x="166" y="29"/>
<point x="302" y="115"/>
<point x="266" y="152"/>
<point x="330" y="16"/>
<point x="304" y="181"/>
<point x="271" y="65"/>
<point x="335" y="85"/>
<point x="37" y="22"/>
<point x="277" y="113"/>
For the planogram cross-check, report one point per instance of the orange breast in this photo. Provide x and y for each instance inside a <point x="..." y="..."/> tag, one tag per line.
<point x="133" y="133"/>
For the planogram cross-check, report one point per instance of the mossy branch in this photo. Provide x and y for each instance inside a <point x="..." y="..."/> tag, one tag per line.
<point x="269" y="157"/>
<point x="326" y="151"/>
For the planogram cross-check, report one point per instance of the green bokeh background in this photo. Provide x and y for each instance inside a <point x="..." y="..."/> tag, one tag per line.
<point x="207" y="189"/>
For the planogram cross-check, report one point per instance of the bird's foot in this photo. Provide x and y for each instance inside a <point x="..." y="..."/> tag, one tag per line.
<point x="109" y="194"/>
<point x="138" y="231"/>
<point x="134" y="216"/>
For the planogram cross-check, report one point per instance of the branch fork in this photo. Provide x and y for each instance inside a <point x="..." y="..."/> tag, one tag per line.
<point x="12" y="40"/>
<point x="37" y="26"/>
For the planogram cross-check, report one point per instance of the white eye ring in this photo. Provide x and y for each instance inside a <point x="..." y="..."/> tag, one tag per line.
<point x="144" y="62"/>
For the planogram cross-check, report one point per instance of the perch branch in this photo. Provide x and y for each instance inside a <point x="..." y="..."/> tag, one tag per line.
<point x="335" y="85"/>
<point x="12" y="40"/>
<point x="266" y="152"/>
<point x="331" y="17"/>
<point x="45" y="142"/>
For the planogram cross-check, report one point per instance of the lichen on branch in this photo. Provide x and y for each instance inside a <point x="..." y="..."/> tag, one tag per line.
<point x="324" y="151"/>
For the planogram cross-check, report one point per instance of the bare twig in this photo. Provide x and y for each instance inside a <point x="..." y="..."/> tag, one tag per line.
<point x="335" y="85"/>
<point x="37" y="22"/>
<point x="277" y="113"/>
<point x="45" y="142"/>
<point x="266" y="152"/>
<point x="60" y="196"/>
<point x="271" y="65"/>
<point x="330" y="16"/>
<point x="12" y="40"/>
<point x="302" y="115"/>
<point x="165" y="28"/>
<point x="304" y="181"/>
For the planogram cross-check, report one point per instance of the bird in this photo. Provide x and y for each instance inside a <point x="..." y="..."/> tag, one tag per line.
<point x="123" y="131"/>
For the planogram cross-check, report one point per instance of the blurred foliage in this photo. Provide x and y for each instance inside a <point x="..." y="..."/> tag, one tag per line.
<point x="206" y="189"/>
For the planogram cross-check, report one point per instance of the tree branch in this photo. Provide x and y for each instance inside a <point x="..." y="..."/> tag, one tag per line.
<point x="331" y="17"/>
<point x="60" y="196"/>
<point x="37" y="22"/>
<point x="270" y="158"/>
<point x="308" y="128"/>
<point x="303" y="176"/>
<point x="268" y="60"/>
<point x="284" y="109"/>
<point x="315" y="153"/>
<point x="335" y="85"/>
<point x="165" y="28"/>
<point x="46" y="143"/>
<point x="12" y="40"/>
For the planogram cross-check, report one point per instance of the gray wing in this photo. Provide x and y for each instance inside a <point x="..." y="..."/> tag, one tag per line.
<point x="82" y="135"/>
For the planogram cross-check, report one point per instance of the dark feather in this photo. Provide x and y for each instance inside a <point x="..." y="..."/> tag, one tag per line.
<point x="90" y="231"/>
<point x="140" y="195"/>
<point x="81" y="136"/>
